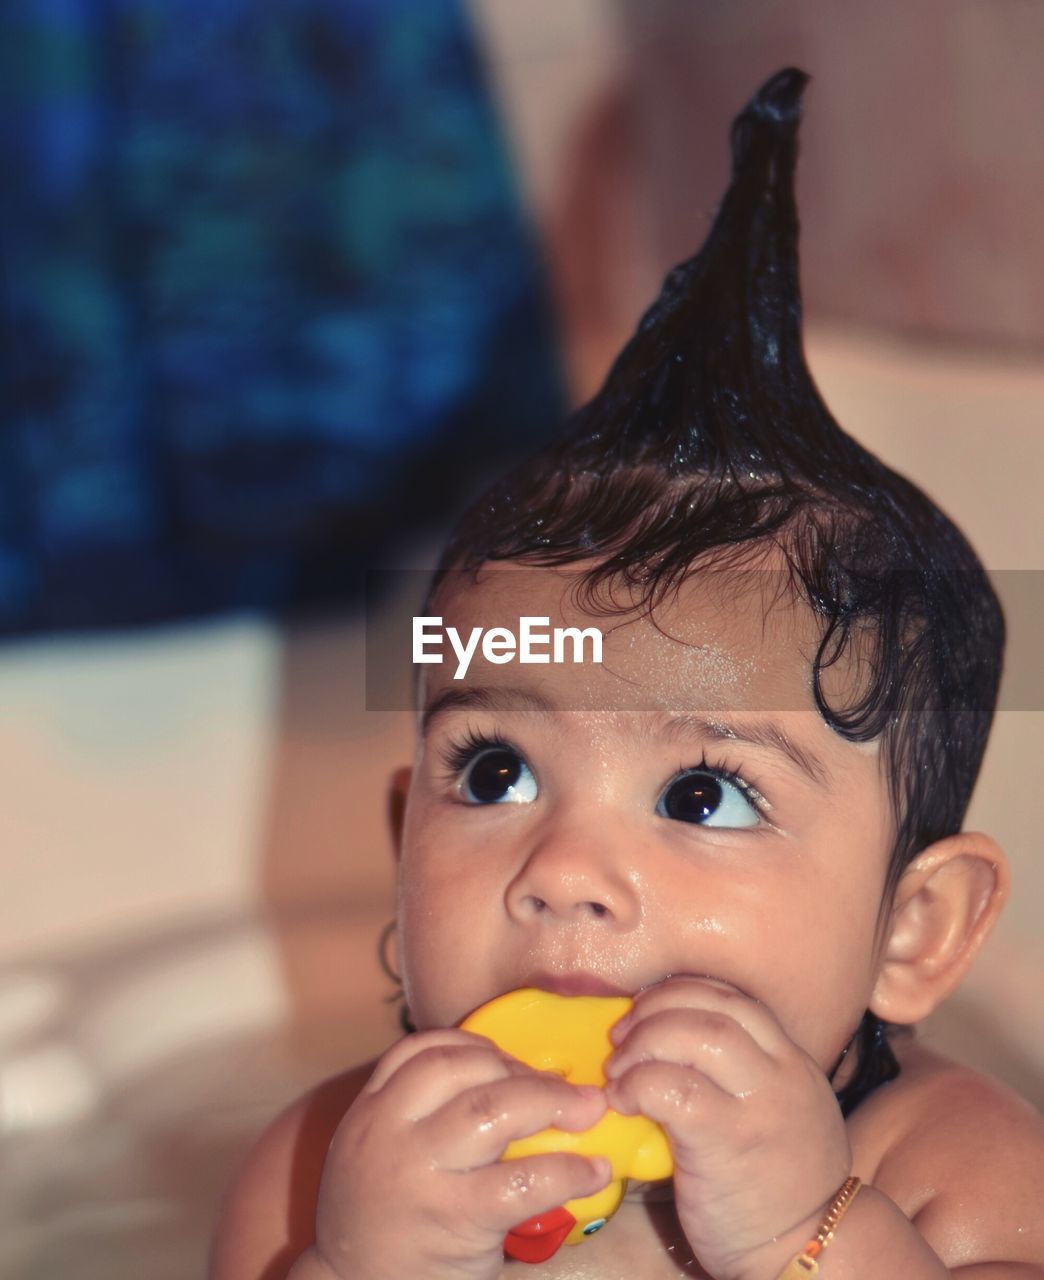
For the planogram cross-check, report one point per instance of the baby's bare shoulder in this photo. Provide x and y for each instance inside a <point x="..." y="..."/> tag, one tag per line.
<point x="268" y="1218"/>
<point x="964" y="1161"/>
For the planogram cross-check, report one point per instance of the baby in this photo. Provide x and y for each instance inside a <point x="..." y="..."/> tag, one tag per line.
<point x="747" y="816"/>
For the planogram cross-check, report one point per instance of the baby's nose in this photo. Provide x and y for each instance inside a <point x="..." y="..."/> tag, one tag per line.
<point x="567" y="877"/>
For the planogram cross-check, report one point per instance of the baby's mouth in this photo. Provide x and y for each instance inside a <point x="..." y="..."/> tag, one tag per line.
<point x="573" y="984"/>
<point x="581" y="983"/>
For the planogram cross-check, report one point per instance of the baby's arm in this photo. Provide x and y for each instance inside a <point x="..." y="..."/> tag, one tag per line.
<point x="268" y="1218"/>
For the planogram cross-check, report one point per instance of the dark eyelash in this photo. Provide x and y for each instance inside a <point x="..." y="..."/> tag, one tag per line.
<point x="456" y="756"/>
<point x="726" y="774"/>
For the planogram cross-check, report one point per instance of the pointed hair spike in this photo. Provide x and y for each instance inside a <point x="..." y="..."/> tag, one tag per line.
<point x="779" y="98"/>
<point x="772" y="115"/>
<point x="715" y="372"/>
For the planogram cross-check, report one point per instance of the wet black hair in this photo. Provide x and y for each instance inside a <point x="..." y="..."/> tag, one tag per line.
<point x="709" y="444"/>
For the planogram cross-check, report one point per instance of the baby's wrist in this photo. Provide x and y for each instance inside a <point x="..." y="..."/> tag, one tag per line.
<point x="767" y="1261"/>
<point x="874" y="1229"/>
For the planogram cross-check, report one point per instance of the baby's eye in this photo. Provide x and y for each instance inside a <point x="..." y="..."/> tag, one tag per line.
<point x="708" y="798"/>
<point x="498" y="775"/>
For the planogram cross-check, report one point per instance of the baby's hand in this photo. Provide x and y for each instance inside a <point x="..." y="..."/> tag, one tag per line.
<point x="412" y="1183"/>
<point x="758" y="1139"/>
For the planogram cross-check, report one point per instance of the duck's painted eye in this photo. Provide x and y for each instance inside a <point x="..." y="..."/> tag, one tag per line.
<point x="594" y="1226"/>
<point x="498" y="775"/>
<point x="709" y="798"/>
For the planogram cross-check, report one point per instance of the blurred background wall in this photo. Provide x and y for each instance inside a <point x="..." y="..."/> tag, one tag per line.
<point x="280" y="285"/>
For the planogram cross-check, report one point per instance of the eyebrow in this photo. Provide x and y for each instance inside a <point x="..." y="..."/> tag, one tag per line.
<point x="485" y="699"/>
<point x="758" y="733"/>
<point x="767" y="734"/>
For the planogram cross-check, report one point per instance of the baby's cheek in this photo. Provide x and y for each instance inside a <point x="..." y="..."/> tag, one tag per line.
<point x="824" y="1008"/>
<point x="439" y="970"/>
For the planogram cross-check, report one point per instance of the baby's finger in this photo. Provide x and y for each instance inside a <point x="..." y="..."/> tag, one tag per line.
<point x="700" y="993"/>
<point x="408" y="1047"/>
<point x="473" y="1128"/>
<point x="440" y="1072"/>
<point x="687" y="1103"/>
<point x="707" y="1040"/>
<point x="511" y="1191"/>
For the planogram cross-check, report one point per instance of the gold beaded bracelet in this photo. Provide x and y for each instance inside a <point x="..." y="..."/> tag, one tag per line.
<point x="804" y="1264"/>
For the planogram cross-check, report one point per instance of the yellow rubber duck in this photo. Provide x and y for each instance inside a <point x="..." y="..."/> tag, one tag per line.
<point x="570" y="1035"/>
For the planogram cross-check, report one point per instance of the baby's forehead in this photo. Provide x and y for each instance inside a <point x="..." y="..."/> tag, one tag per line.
<point x="726" y="639"/>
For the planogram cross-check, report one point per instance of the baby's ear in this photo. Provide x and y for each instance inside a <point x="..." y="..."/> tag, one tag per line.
<point x="398" y="787"/>
<point x="945" y="905"/>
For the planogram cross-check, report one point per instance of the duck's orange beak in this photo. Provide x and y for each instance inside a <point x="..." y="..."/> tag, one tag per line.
<point x="536" y="1239"/>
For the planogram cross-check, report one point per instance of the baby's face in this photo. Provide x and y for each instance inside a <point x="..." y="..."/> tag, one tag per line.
<point x="681" y="808"/>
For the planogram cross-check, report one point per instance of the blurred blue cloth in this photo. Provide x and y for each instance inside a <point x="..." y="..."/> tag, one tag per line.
<point x="268" y="299"/>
